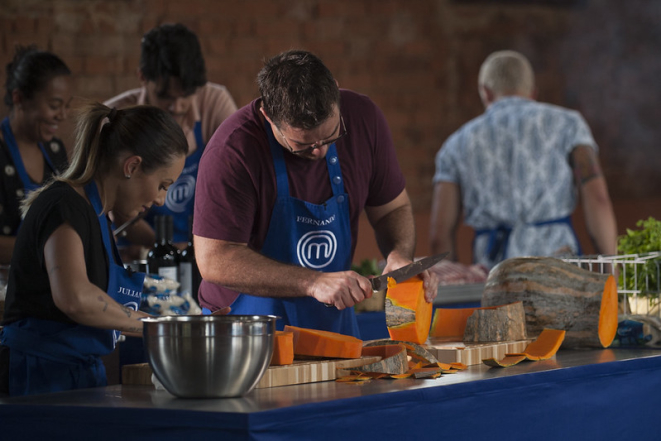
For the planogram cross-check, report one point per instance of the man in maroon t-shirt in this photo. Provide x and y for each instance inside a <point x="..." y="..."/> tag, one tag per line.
<point x="281" y="186"/>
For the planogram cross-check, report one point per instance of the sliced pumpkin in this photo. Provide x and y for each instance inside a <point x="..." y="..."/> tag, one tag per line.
<point x="316" y="343"/>
<point x="408" y="314"/>
<point x="283" y="349"/>
<point x="450" y="322"/>
<point x="544" y="347"/>
<point x="509" y="360"/>
<point x="560" y="295"/>
<point x="414" y="350"/>
<point x="393" y="359"/>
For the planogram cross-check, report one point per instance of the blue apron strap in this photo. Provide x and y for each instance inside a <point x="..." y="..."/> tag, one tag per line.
<point x="282" y="182"/>
<point x="332" y="164"/>
<point x="499" y="236"/>
<point x="498" y="240"/>
<point x="12" y="146"/>
<point x="334" y="170"/>
<point x="95" y="199"/>
<point x="564" y="220"/>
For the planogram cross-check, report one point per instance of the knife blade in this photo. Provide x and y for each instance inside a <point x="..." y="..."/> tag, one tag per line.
<point x="128" y="223"/>
<point x="406" y="272"/>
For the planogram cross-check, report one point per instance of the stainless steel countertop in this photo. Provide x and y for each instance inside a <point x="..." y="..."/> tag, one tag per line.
<point x="146" y="397"/>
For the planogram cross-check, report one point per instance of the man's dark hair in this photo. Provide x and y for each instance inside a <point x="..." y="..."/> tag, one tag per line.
<point x="173" y="50"/>
<point x="297" y="89"/>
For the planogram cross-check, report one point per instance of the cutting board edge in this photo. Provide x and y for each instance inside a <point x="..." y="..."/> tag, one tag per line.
<point x="320" y="370"/>
<point x="473" y="353"/>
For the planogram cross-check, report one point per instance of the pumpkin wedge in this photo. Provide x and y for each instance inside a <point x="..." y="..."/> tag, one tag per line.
<point x="316" y="343"/>
<point x="476" y="325"/>
<point x="557" y="295"/>
<point x="283" y="349"/>
<point x="509" y="360"/>
<point x="408" y="315"/>
<point x="393" y="361"/>
<point x="413" y="350"/>
<point x="450" y="323"/>
<point x="543" y="348"/>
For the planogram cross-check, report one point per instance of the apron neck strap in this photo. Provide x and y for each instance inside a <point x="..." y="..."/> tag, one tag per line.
<point x="12" y="146"/>
<point x="282" y="181"/>
<point x="109" y="244"/>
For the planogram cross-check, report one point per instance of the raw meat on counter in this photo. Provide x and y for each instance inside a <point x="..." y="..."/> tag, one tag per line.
<point x="455" y="273"/>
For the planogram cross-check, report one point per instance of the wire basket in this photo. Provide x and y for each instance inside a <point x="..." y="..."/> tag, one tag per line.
<point x="638" y="279"/>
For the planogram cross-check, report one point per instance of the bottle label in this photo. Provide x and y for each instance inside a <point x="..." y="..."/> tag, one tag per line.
<point x="168" y="271"/>
<point x="186" y="277"/>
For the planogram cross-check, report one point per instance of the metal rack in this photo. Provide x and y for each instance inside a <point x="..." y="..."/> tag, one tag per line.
<point x="639" y="293"/>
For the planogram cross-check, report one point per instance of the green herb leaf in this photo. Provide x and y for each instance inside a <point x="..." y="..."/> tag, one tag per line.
<point x="647" y="239"/>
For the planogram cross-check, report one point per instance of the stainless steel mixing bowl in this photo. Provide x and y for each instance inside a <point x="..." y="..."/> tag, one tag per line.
<point x="209" y="356"/>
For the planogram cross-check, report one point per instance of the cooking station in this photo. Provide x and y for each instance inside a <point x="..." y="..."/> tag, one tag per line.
<point x="579" y="394"/>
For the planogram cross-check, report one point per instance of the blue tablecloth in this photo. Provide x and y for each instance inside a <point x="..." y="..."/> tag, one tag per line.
<point x="617" y="400"/>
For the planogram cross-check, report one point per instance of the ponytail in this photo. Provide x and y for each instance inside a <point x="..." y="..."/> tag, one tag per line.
<point x="104" y="134"/>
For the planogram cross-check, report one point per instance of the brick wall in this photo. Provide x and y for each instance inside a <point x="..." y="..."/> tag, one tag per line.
<point x="417" y="59"/>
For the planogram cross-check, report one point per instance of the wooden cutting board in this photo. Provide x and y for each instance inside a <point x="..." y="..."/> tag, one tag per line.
<point x="302" y="371"/>
<point x="308" y="371"/>
<point x="472" y="353"/>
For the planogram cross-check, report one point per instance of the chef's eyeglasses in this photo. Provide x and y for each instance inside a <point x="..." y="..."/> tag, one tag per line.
<point x="319" y="144"/>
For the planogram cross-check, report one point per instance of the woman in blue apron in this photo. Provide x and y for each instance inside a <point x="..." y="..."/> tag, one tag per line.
<point x="180" y="201"/>
<point x="323" y="243"/>
<point x="37" y="94"/>
<point x="68" y="294"/>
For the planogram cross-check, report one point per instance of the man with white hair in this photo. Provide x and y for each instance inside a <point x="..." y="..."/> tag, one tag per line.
<point x="516" y="172"/>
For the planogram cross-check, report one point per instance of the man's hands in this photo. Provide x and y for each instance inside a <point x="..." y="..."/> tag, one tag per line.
<point x="346" y="288"/>
<point x="222" y="311"/>
<point x="429" y="278"/>
<point x="341" y="289"/>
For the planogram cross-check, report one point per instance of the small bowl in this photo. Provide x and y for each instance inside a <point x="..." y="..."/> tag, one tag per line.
<point x="198" y="356"/>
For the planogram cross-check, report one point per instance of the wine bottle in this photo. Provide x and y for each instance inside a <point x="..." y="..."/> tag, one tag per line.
<point x="163" y="258"/>
<point x="189" y="274"/>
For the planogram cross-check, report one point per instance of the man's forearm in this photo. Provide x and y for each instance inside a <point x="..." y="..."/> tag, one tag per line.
<point x="599" y="217"/>
<point x="395" y="233"/>
<point x="445" y="213"/>
<point x="242" y="269"/>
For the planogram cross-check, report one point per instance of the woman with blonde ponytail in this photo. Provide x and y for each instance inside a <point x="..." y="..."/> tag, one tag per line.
<point x="68" y="294"/>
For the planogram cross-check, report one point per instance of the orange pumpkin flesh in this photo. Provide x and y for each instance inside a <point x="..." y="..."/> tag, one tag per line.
<point x="408" y="315"/>
<point x="283" y="349"/>
<point x="316" y="343"/>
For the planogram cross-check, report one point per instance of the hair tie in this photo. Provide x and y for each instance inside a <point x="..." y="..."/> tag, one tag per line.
<point x="112" y="114"/>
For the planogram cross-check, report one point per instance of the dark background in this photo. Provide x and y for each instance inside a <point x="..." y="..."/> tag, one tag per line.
<point x="417" y="59"/>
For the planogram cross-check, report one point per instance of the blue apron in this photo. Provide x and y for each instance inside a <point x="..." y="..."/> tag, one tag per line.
<point x="499" y="237"/>
<point x="313" y="236"/>
<point x="28" y="184"/>
<point x="180" y="199"/>
<point x="48" y="356"/>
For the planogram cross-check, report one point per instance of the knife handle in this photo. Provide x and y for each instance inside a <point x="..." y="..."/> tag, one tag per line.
<point x="374" y="292"/>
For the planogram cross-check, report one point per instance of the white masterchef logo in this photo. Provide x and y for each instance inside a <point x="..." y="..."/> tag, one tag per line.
<point x="180" y="193"/>
<point x="316" y="249"/>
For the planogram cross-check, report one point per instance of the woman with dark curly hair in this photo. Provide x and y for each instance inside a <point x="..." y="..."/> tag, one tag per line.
<point x="37" y="92"/>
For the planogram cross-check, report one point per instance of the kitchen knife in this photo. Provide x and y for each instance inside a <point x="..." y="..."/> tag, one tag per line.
<point x="406" y="272"/>
<point x="128" y="223"/>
